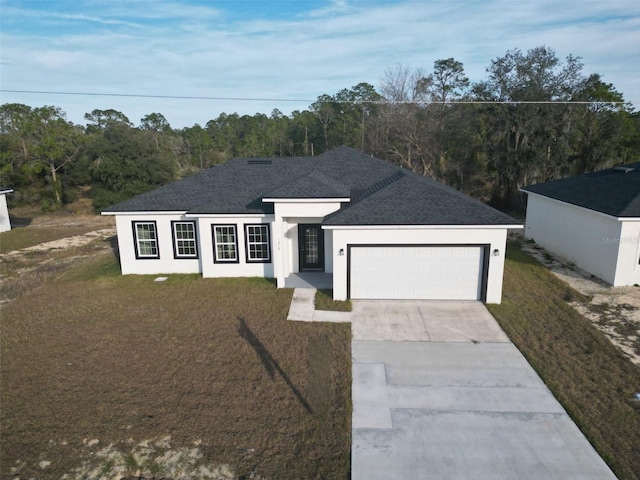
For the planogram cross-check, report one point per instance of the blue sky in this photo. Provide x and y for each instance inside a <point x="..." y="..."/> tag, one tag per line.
<point x="288" y="50"/>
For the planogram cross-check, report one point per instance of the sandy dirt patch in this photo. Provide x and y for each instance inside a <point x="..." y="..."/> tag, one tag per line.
<point x="65" y="243"/>
<point x="613" y="310"/>
<point x="27" y="268"/>
<point x="139" y="460"/>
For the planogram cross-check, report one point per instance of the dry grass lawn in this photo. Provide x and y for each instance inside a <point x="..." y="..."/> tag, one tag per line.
<point x="324" y="301"/>
<point x="592" y="379"/>
<point x="110" y="376"/>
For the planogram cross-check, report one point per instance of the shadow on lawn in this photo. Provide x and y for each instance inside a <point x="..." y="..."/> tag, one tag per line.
<point x="270" y="363"/>
<point x="113" y="244"/>
<point x="17" y="222"/>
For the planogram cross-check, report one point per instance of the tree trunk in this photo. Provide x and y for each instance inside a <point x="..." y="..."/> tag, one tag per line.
<point x="56" y="186"/>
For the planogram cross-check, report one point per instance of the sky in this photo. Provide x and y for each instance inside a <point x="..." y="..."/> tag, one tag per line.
<point x="253" y="56"/>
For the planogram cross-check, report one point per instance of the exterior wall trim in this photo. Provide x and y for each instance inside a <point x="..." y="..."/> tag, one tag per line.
<point x="173" y="240"/>
<point x="246" y="242"/>
<point x="306" y="200"/>
<point x="227" y="215"/>
<point x="134" y="223"/>
<point x="421" y="227"/>
<point x="213" y="241"/>
<point x="148" y="212"/>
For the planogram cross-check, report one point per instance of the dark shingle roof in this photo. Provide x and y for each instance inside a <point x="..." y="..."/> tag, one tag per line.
<point x="381" y="193"/>
<point x="314" y="185"/>
<point x="411" y="199"/>
<point x="614" y="191"/>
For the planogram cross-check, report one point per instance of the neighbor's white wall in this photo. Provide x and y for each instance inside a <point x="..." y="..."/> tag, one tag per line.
<point x="5" y="222"/>
<point x="589" y="239"/>
<point x="495" y="238"/>
<point x="166" y="264"/>
<point x="242" y="268"/>
<point x="627" y="268"/>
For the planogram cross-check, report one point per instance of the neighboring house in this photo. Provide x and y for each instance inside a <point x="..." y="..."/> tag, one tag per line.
<point x="380" y="231"/>
<point x="5" y="222"/>
<point x="592" y="220"/>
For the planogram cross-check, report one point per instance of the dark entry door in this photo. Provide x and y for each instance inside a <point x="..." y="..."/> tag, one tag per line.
<point x="311" y="246"/>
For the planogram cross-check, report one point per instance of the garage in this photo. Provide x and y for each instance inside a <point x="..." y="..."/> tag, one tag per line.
<point x="425" y="272"/>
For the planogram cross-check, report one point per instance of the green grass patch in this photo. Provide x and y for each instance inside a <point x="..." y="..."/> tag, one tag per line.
<point x="593" y="381"/>
<point x="211" y="364"/>
<point x="104" y="266"/>
<point x="325" y="301"/>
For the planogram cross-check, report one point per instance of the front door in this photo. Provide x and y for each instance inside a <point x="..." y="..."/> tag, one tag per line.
<point x="311" y="246"/>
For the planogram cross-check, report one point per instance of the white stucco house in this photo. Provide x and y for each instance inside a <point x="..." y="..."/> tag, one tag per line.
<point x="592" y="220"/>
<point x="376" y="230"/>
<point x="5" y="221"/>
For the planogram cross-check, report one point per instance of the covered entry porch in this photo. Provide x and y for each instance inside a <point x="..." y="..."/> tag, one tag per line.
<point x="318" y="280"/>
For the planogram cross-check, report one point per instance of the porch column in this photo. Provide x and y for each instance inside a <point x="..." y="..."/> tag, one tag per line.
<point x="278" y="247"/>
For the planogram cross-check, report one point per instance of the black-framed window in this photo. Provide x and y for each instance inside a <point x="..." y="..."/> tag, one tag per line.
<point x="225" y="243"/>
<point x="257" y="243"/>
<point x="185" y="244"/>
<point x="145" y="239"/>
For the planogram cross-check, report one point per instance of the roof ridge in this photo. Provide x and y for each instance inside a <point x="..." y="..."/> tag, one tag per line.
<point x="328" y="180"/>
<point x="359" y="195"/>
<point x="306" y="185"/>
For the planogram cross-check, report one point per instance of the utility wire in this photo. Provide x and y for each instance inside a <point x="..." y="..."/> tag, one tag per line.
<point x="139" y="95"/>
<point x="256" y="99"/>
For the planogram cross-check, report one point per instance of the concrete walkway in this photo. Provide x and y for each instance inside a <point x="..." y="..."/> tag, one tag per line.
<point x="460" y="403"/>
<point x="303" y="309"/>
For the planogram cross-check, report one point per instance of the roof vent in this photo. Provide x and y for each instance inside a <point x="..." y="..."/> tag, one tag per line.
<point x="624" y="169"/>
<point x="260" y="161"/>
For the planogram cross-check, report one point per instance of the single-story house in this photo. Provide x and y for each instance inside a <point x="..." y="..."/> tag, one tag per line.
<point x="5" y="221"/>
<point x="380" y="231"/>
<point x="592" y="220"/>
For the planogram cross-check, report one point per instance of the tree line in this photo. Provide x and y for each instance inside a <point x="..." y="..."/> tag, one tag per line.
<point x="535" y="117"/>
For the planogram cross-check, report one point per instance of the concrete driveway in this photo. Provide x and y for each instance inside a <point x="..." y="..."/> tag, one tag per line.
<point x="416" y="321"/>
<point x="439" y="392"/>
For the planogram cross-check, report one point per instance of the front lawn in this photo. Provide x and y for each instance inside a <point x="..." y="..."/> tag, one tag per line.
<point x="324" y="301"/>
<point x="107" y="376"/>
<point x="594" y="382"/>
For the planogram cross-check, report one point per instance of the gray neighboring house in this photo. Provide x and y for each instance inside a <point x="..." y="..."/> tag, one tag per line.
<point x="377" y="230"/>
<point x="5" y="221"/>
<point x="592" y="220"/>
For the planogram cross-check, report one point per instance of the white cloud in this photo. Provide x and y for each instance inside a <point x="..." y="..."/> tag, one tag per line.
<point x="198" y="50"/>
<point x="91" y="19"/>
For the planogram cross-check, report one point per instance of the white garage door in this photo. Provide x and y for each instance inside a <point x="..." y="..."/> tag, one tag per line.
<point x="416" y="272"/>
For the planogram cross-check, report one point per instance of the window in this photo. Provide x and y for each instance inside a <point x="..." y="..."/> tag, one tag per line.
<point x="146" y="240"/>
<point x="225" y="243"/>
<point x="184" y="240"/>
<point x="257" y="239"/>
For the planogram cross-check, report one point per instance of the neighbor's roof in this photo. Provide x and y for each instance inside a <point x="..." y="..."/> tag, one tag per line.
<point x="380" y="193"/>
<point x="614" y="191"/>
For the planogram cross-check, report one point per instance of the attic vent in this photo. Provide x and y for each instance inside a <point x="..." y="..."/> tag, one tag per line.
<point x="260" y="162"/>
<point x="624" y="169"/>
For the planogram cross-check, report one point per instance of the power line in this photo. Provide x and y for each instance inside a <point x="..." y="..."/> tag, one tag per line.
<point x="174" y="97"/>
<point x="288" y="100"/>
